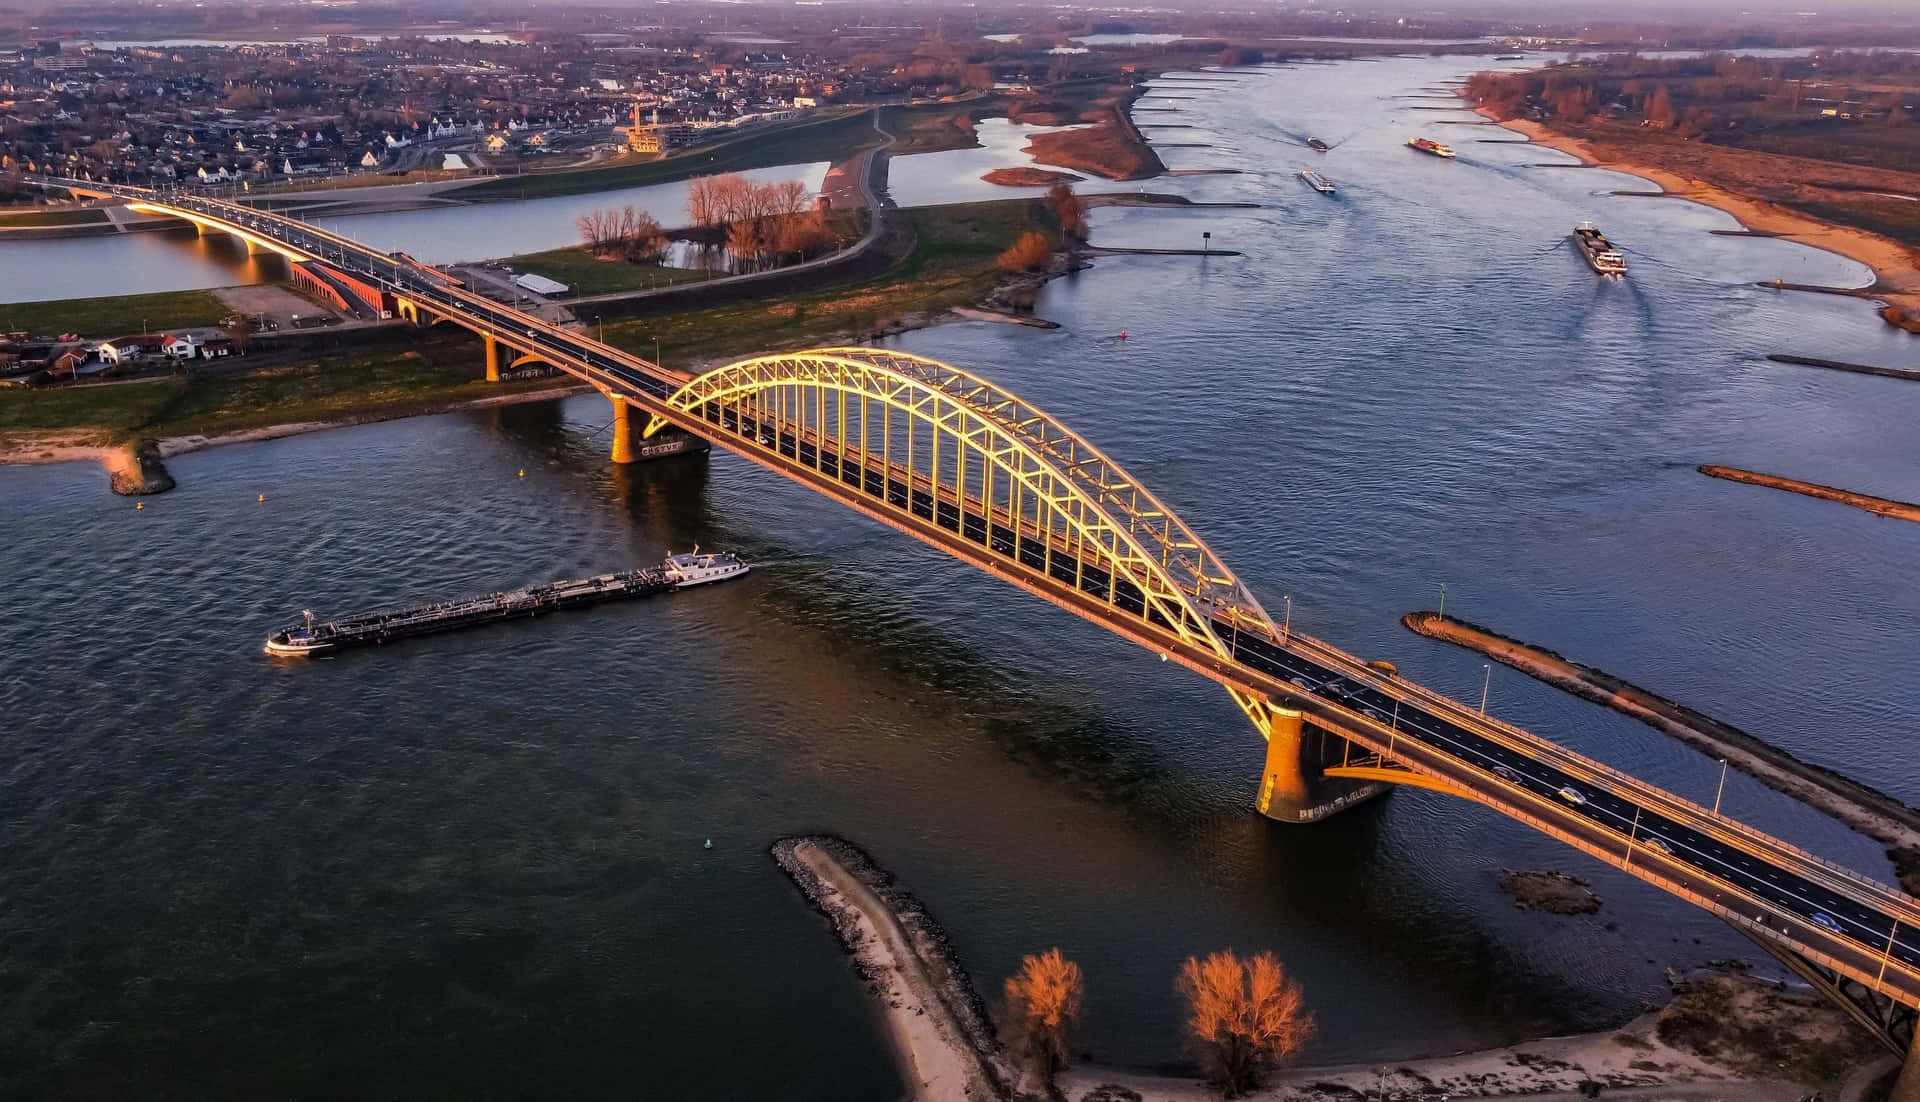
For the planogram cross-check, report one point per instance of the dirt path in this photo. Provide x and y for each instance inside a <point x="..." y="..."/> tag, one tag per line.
<point x="938" y="1034"/>
<point x="1865" y="809"/>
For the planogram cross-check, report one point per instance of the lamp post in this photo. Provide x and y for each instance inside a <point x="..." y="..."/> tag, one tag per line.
<point x="1286" y="628"/>
<point x="1486" y="686"/>
<point x="1718" y="792"/>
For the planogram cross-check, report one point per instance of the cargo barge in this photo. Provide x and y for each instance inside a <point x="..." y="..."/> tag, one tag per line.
<point x="376" y="628"/>
<point x="1316" y="181"/>
<point x="1428" y="145"/>
<point x="1600" y="254"/>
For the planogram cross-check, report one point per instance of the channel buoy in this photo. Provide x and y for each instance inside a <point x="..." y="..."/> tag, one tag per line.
<point x="523" y="472"/>
<point x="1123" y="334"/>
<point x="263" y="497"/>
<point x="139" y="505"/>
<point x="709" y="844"/>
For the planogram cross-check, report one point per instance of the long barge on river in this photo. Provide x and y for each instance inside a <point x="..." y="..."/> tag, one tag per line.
<point x="376" y="628"/>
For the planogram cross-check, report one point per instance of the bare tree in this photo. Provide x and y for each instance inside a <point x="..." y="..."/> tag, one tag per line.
<point x="1043" y="1009"/>
<point x="743" y="241"/>
<point x="1243" y="1017"/>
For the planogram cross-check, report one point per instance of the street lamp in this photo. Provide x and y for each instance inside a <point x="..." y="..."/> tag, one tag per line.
<point x="1486" y="687"/>
<point x="1286" y="629"/>
<point x="1718" y="792"/>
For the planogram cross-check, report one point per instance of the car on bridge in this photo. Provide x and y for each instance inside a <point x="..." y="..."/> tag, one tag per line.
<point x="1826" y="922"/>
<point x="1573" y="796"/>
<point x="1654" y="841"/>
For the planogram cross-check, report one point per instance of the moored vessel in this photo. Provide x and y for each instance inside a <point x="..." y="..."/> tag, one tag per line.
<point x="1316" y="181"/>
<point x="1316" y="145"/>
<point x="1600" y="253"/>
<point x="1428" y="145"/>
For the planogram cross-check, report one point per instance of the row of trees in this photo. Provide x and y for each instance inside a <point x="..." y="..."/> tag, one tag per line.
<point x="760" y="222"/>
<point x="627" y="233"/>
<point x="1243" y="1016"/>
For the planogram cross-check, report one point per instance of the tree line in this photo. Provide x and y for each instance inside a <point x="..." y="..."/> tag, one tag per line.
<point x="756" y="223"/>
<point x="1243" y="1017"/>
<point x="1032" y="250"/>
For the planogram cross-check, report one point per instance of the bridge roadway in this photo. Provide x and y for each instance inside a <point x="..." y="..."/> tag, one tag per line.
<point x="1849" y="924"/>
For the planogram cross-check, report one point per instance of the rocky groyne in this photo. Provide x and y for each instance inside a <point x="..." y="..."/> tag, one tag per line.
<point x="135" y="469"/>
<point x="1864" y="808"/>
<point x="1879" y="506"/>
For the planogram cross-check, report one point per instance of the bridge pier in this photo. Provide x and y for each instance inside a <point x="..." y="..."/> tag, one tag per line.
<point x="622" y="429"/>
<point x="1293" y="788"/>
<point x="1907" y="1087"/>
<point x="493" y="357"/>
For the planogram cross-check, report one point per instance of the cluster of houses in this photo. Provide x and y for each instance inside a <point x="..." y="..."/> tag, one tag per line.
<point x="27" y="360"/>
<point x="256" y="112"/>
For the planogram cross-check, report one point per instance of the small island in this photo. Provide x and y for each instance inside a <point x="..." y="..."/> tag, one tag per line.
<point x="1030" y="177"/>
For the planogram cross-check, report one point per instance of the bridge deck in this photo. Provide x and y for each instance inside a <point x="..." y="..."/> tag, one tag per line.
<point x="1857" y="927"/>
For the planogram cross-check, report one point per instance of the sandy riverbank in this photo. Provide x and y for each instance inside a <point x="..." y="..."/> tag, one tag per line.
<point x="1725" y="1037"/>
<point x="1896" y="279"/>
<point x="1861" y="807"/>
<point x="939" y="1032"/>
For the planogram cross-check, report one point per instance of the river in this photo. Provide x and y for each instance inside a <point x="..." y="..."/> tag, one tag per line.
<point x="477" y="864"/>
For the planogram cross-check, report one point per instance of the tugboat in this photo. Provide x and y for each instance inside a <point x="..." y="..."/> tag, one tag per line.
<point x="1316" y="145"/>
<point x="1318" y="182"/>
<point x="1600" y="254"/>
<point x="1428" y="145"/>
<point x="696" y="568"/>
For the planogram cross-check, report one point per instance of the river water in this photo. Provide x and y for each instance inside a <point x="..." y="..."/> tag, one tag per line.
<point x="476" y="864"/>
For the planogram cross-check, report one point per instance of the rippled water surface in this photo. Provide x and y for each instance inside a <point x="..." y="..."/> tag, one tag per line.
<point x="475" y="864"/>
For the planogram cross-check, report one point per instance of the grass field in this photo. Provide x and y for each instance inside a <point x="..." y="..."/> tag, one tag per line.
<point x="952" y="264"/>
<point x="587" y="274"/>
<point x="388" y="383"/>
<point x="116" y="316"/>
<point x="79" y="216"/>
<point x="92" y="414"/>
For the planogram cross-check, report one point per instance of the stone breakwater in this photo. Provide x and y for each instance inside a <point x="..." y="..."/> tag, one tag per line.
<point x="1861" y="807"/>
<point x="135" y="469"/>
<point x="940" y="1031"/>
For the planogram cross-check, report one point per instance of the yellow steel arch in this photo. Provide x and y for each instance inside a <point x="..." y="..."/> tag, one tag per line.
<point x="1005" y="456"/>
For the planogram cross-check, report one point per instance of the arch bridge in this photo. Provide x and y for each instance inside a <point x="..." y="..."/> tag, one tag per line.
<point x="953" y="460"/>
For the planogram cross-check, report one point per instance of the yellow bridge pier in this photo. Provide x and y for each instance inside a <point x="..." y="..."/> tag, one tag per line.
<point x="622" y="429"/>
<point x="493" y="357"/>
<point x="1294" y="786"/>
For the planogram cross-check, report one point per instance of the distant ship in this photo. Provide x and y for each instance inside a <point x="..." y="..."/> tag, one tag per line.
<point x="1319" y="183"/>
<point x="1598" y="251"/>
<point x="1316" y="145"/>
<point x="1428" y="145"/>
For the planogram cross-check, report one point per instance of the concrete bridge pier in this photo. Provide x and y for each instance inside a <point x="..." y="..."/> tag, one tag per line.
<point x="493" y="357"/>
<point x="1293" y="786"/>
<point x="1907" y="1087"/>
<point x="622" y="429"/>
